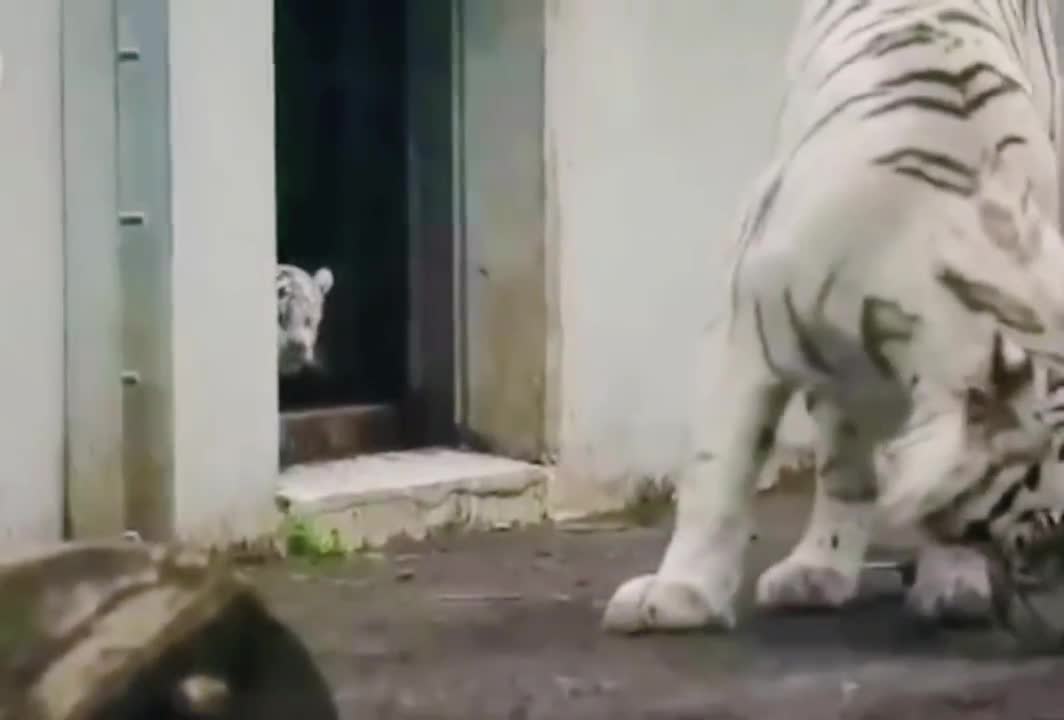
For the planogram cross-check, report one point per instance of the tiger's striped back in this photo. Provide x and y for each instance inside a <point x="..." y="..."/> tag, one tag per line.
<point x="936" y="75"/>
<point x="845" y="49"/>
<point x="851" y="62"/>
<point x="922" y="89"/>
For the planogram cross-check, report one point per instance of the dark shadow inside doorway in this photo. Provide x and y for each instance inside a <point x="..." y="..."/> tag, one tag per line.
<point x="341" y="138"/>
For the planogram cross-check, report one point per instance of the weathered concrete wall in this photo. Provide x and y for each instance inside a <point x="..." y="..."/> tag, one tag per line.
<point x="31" y="235"/>
<point x="658" y="115"/>
<point x="1058" y="28"/>
<point x="225" y="388"/>
<point x="95" y="481"/>
<point x="501" y="155"/>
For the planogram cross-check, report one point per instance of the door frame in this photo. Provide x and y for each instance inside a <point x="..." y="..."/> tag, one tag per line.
<point x="94" y="489"/>
<point x="426" y="414"/>
<point x="478" y="242"/>
<point x="119" y="434"/>
<point x="447" y="326"/>
<point x="435" y="222"/>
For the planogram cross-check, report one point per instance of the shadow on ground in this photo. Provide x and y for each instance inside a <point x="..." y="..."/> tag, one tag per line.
<point x="506" y="625"/>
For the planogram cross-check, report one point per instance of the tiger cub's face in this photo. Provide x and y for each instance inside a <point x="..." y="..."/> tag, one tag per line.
<point x="1025" y="510"/>
<point x="300" y="307"/>
<point x="1013" y="510"/>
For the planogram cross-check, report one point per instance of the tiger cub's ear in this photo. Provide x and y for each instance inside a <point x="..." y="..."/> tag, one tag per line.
<point x="1054" y="378"/>
<point x="1011" y="368"/>
<point x="324" y="280"/>
<point x="284" y="287"/>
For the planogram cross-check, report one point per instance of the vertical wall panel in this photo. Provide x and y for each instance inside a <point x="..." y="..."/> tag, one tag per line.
<point x="31" y="241"/>
<point x="146" y="264"/>
<point x="95" y="482"/>
<point x="503" y="270"/>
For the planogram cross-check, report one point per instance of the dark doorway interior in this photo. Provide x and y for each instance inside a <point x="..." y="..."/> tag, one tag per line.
<point x="341" y="129"/>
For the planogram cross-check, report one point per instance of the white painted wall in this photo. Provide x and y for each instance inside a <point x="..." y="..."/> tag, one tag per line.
<point x="31" y="243"/>
<point x="226" y="422"/>
<point x="658" y="116"/>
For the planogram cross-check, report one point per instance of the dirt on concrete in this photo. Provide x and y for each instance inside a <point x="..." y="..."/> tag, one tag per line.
<point x="506" y="625"/>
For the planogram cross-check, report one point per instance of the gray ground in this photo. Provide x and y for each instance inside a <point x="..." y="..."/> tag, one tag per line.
<point x="505" y="625"/>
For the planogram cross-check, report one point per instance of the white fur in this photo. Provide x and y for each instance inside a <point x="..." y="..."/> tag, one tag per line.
<point x="701" y="571"/>
<point x="882" y="236"/>
<point x="324" y="280"/>
<point x="952" y="583"/>
<point x="823" y="569"/>
<point x="300" y="309"/>
<point x="793" y="451"/>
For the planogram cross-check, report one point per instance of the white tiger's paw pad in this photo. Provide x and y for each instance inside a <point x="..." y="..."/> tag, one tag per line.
<point x="792" y="585"/>
<point x="952" y="586"/>
<point x="645" y="603"/>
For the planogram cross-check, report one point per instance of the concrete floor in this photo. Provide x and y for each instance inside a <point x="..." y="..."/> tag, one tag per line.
<point x="505" y="625"/>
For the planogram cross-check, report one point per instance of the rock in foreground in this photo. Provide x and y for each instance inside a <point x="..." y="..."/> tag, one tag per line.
<point x="126" y="631"/>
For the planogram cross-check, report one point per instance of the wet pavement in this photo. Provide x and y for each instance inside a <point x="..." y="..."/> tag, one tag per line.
<point x="506" y="625"/>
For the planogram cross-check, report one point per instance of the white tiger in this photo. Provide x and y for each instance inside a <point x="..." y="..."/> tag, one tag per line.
<point x="300" y="308"/>
<point x="901" y="261"/>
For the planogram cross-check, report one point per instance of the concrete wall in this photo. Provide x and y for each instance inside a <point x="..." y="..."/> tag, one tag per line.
<point x="224" y="356"/>
<point x="95" y="479"/>
<point x="501" y="155"/>
<point x="31" y="238"/>
<point x="1058" y="29"/>
<point x="658" y="115"/>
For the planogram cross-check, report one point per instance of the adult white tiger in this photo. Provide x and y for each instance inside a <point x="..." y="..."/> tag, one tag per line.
<point x="300" y="308"/>
<point x="907" y="225"/>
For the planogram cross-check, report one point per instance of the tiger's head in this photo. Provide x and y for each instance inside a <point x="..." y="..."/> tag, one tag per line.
<point x="300" y="308"/>
<point x="1014" y="511"/>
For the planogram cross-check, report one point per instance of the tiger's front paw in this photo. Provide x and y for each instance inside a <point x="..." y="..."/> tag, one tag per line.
<point x="793" y="584"/>
<point x="647" y="603"/>
<point x="952" y="585"/>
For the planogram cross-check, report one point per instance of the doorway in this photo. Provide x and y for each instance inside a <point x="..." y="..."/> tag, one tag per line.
<point x="351" y="76"/>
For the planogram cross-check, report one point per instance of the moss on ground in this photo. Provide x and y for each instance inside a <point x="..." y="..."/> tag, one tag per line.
<point x="305" y="541"/>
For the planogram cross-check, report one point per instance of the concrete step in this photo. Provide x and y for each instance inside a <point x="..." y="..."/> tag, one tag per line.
<point x="371" y="499"/>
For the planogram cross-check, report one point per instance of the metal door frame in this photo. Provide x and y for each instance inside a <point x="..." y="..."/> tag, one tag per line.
<point x="457" y="360"/>
<point x="118" y="249"/>
<point x="427" y="412"/>
<point x="94" y="492"/>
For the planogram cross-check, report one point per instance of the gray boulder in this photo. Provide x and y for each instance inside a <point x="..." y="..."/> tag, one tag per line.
<point x="122" y="631"/>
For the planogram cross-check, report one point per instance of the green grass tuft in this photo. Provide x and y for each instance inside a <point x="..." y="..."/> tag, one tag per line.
<point x="303" y="540"/>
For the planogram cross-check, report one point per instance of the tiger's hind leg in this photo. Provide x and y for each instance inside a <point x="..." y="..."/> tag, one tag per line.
<point x="734" y="425"/>
<point x="823" y="570"/>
